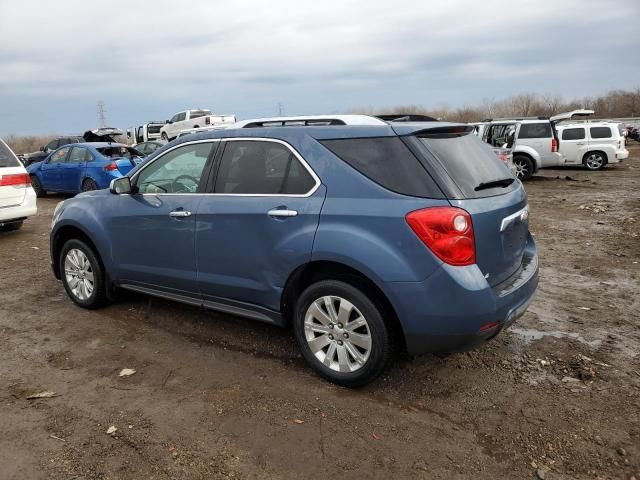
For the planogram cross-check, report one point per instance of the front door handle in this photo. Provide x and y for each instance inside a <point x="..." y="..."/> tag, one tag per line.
<point x="180" y="213"/>
<point x="282" y="213"/>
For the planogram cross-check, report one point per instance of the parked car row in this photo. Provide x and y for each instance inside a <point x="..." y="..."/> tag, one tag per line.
<point x="540" y="142"/>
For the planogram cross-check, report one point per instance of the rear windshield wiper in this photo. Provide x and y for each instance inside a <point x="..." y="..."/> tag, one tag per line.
<point x="504" y="182"/>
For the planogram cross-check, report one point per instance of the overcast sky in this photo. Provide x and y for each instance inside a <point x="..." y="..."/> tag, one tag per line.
<point x="148" y="60"/>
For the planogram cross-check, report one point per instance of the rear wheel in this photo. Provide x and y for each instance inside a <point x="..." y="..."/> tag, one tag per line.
<point x="82" y="275"/>
<point x="594" y="160"/>
<point x="11" y="227"/>
<point x="89" y="184"/>
<point x="341" y="333"/>
<point x="524" y="167"/>
<point x="37" y="186"/>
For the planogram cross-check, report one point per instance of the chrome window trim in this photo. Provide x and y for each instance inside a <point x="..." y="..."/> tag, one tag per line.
<point x="238" y="139"/>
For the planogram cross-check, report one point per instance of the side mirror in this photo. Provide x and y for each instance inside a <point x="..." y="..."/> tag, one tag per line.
<point x="120" y="186"/>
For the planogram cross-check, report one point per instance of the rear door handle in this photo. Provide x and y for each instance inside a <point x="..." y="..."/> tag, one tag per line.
<point x="282" y="213"/>
<point x="180" y="213"/>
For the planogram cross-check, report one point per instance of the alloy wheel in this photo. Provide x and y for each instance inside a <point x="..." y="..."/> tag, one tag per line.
<point x="337" y="334"/>
<point x="79" y="274"/>
<point x="594" y="161"/>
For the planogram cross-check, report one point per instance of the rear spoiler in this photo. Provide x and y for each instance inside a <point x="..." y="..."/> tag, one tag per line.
<point x="406" y="117"/>
<point x="448" y="131"/>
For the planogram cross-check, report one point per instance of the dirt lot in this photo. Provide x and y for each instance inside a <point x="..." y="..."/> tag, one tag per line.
<point x="557" y="396"/>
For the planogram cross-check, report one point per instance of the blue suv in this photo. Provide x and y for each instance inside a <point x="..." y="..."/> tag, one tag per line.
<point x="363" y="238"/>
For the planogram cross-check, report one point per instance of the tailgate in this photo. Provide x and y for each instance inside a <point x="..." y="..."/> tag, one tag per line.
<point x="11" y="195"/>
<point x="501" y="228"/>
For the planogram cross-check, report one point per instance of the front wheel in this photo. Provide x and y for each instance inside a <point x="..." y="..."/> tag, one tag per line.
<point x="594" y="161"/>
<point x="82" y="275"/>
<point x="524" y="167"/>
<point x="341" y="333"/>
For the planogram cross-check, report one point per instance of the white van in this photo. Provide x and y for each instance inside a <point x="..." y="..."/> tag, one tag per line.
<point x="592" y="144"/>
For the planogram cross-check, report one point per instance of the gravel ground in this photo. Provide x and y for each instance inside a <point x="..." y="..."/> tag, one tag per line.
<point x="213" y="396"/>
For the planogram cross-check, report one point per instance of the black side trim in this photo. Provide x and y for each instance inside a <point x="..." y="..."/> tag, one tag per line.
<point x="224" y="305"/>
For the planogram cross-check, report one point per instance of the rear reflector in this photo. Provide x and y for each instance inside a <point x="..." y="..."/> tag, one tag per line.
<point x="554" y="145"/>
<point x="488" y="326"/>
<point x="447" y="231"/>
<point x="15" y="180"/>
<point x="111" y="167"/>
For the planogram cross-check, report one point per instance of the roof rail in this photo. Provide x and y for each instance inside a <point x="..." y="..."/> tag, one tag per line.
<point x="541" y="117"/>
<point x="406" y="117"/>
<point x="309" y="121"/>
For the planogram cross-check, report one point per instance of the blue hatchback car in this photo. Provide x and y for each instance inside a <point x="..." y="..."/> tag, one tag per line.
<point x="363" y="238"/>
<point x="81" y="167"/>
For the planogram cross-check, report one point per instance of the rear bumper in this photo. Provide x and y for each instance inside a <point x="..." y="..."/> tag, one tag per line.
<point x="622" y="155"/>
<point x="456" y="309"/>
<point x="17" y="213"/>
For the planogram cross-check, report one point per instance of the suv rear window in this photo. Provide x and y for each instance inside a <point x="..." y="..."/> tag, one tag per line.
<point x="388" y="162"/>
<point x="600" y="132"/>
<point x="469" y="162"/>
<point x="7" y="159"/>
<point x="535" y="130"/>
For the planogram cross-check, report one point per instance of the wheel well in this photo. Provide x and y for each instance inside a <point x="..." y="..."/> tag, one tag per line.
<point x="314" y="272"/>
<point x="62" y="236"/>
<point x="604" y="154"/>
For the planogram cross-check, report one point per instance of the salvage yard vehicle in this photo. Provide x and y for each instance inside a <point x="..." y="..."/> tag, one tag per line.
<point x="82" y="167"/>
<point x="147" y="148"/>
<point x="17" y="198"/>
<point x="147" y="132"/>
<point x="593" y="144"/>
<point x="45" y="150"/>
<point x="195" y="118"/>
<point x="365" y="236"/>
<point x="535" y="140"/>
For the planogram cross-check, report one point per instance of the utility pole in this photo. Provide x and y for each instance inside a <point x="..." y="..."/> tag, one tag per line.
<point x="280" y="109"/>
<point x="102" y="114"/>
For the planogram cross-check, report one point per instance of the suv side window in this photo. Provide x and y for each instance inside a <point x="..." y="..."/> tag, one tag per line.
<point x="600" y="132"/>
<point x="181" y="116"/>
<point x="387" y="162"/>
<point x="178" y="171"/>
<point x="535" y="130"/>
<point x="261" y="168"/>
<point x="80" y="155"/>
<point x="573" y="134"/>
<point x="59" y="156"/>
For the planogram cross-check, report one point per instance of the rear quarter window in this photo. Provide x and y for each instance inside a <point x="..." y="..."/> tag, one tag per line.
<point x="600" y="132"/>
<point x="573" y="134"/>
<point x="388" y="162"/>
<point x="7" y="158"/>
<point x="535" y="130"/>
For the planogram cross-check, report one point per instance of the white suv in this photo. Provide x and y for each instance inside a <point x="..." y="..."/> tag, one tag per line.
<point x="593" y="144"/>
<point x="17" y="198"/>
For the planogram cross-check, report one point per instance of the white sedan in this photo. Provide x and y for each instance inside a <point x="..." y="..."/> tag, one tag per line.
<point x="17" y="198"/>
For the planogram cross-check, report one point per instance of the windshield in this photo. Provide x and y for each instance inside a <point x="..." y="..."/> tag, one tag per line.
<point x="7" y="158"/>
<point x="470" y="163"/>
<point x="119" y="151"/>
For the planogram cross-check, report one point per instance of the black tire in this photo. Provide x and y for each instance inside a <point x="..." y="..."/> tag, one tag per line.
<point x="37" y="186"/>
<point x="11" y="227"/>
<point x="381" y="345"/>
<point x="594" y="160"/>
<point x="89" y="184"/>
<point x="98" y="296"/>
<point x="524" y="167"/>
<point x="164" y="137"/>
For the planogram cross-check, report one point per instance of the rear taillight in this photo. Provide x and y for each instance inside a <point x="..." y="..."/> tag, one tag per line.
<point x="15" y="180"/>
<point x="111" y="167"/>
<point x="554" y="144"/>
<point x="447" y="231"/>
<point x="207" y="121"/>
<point x="503" y="157"/>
